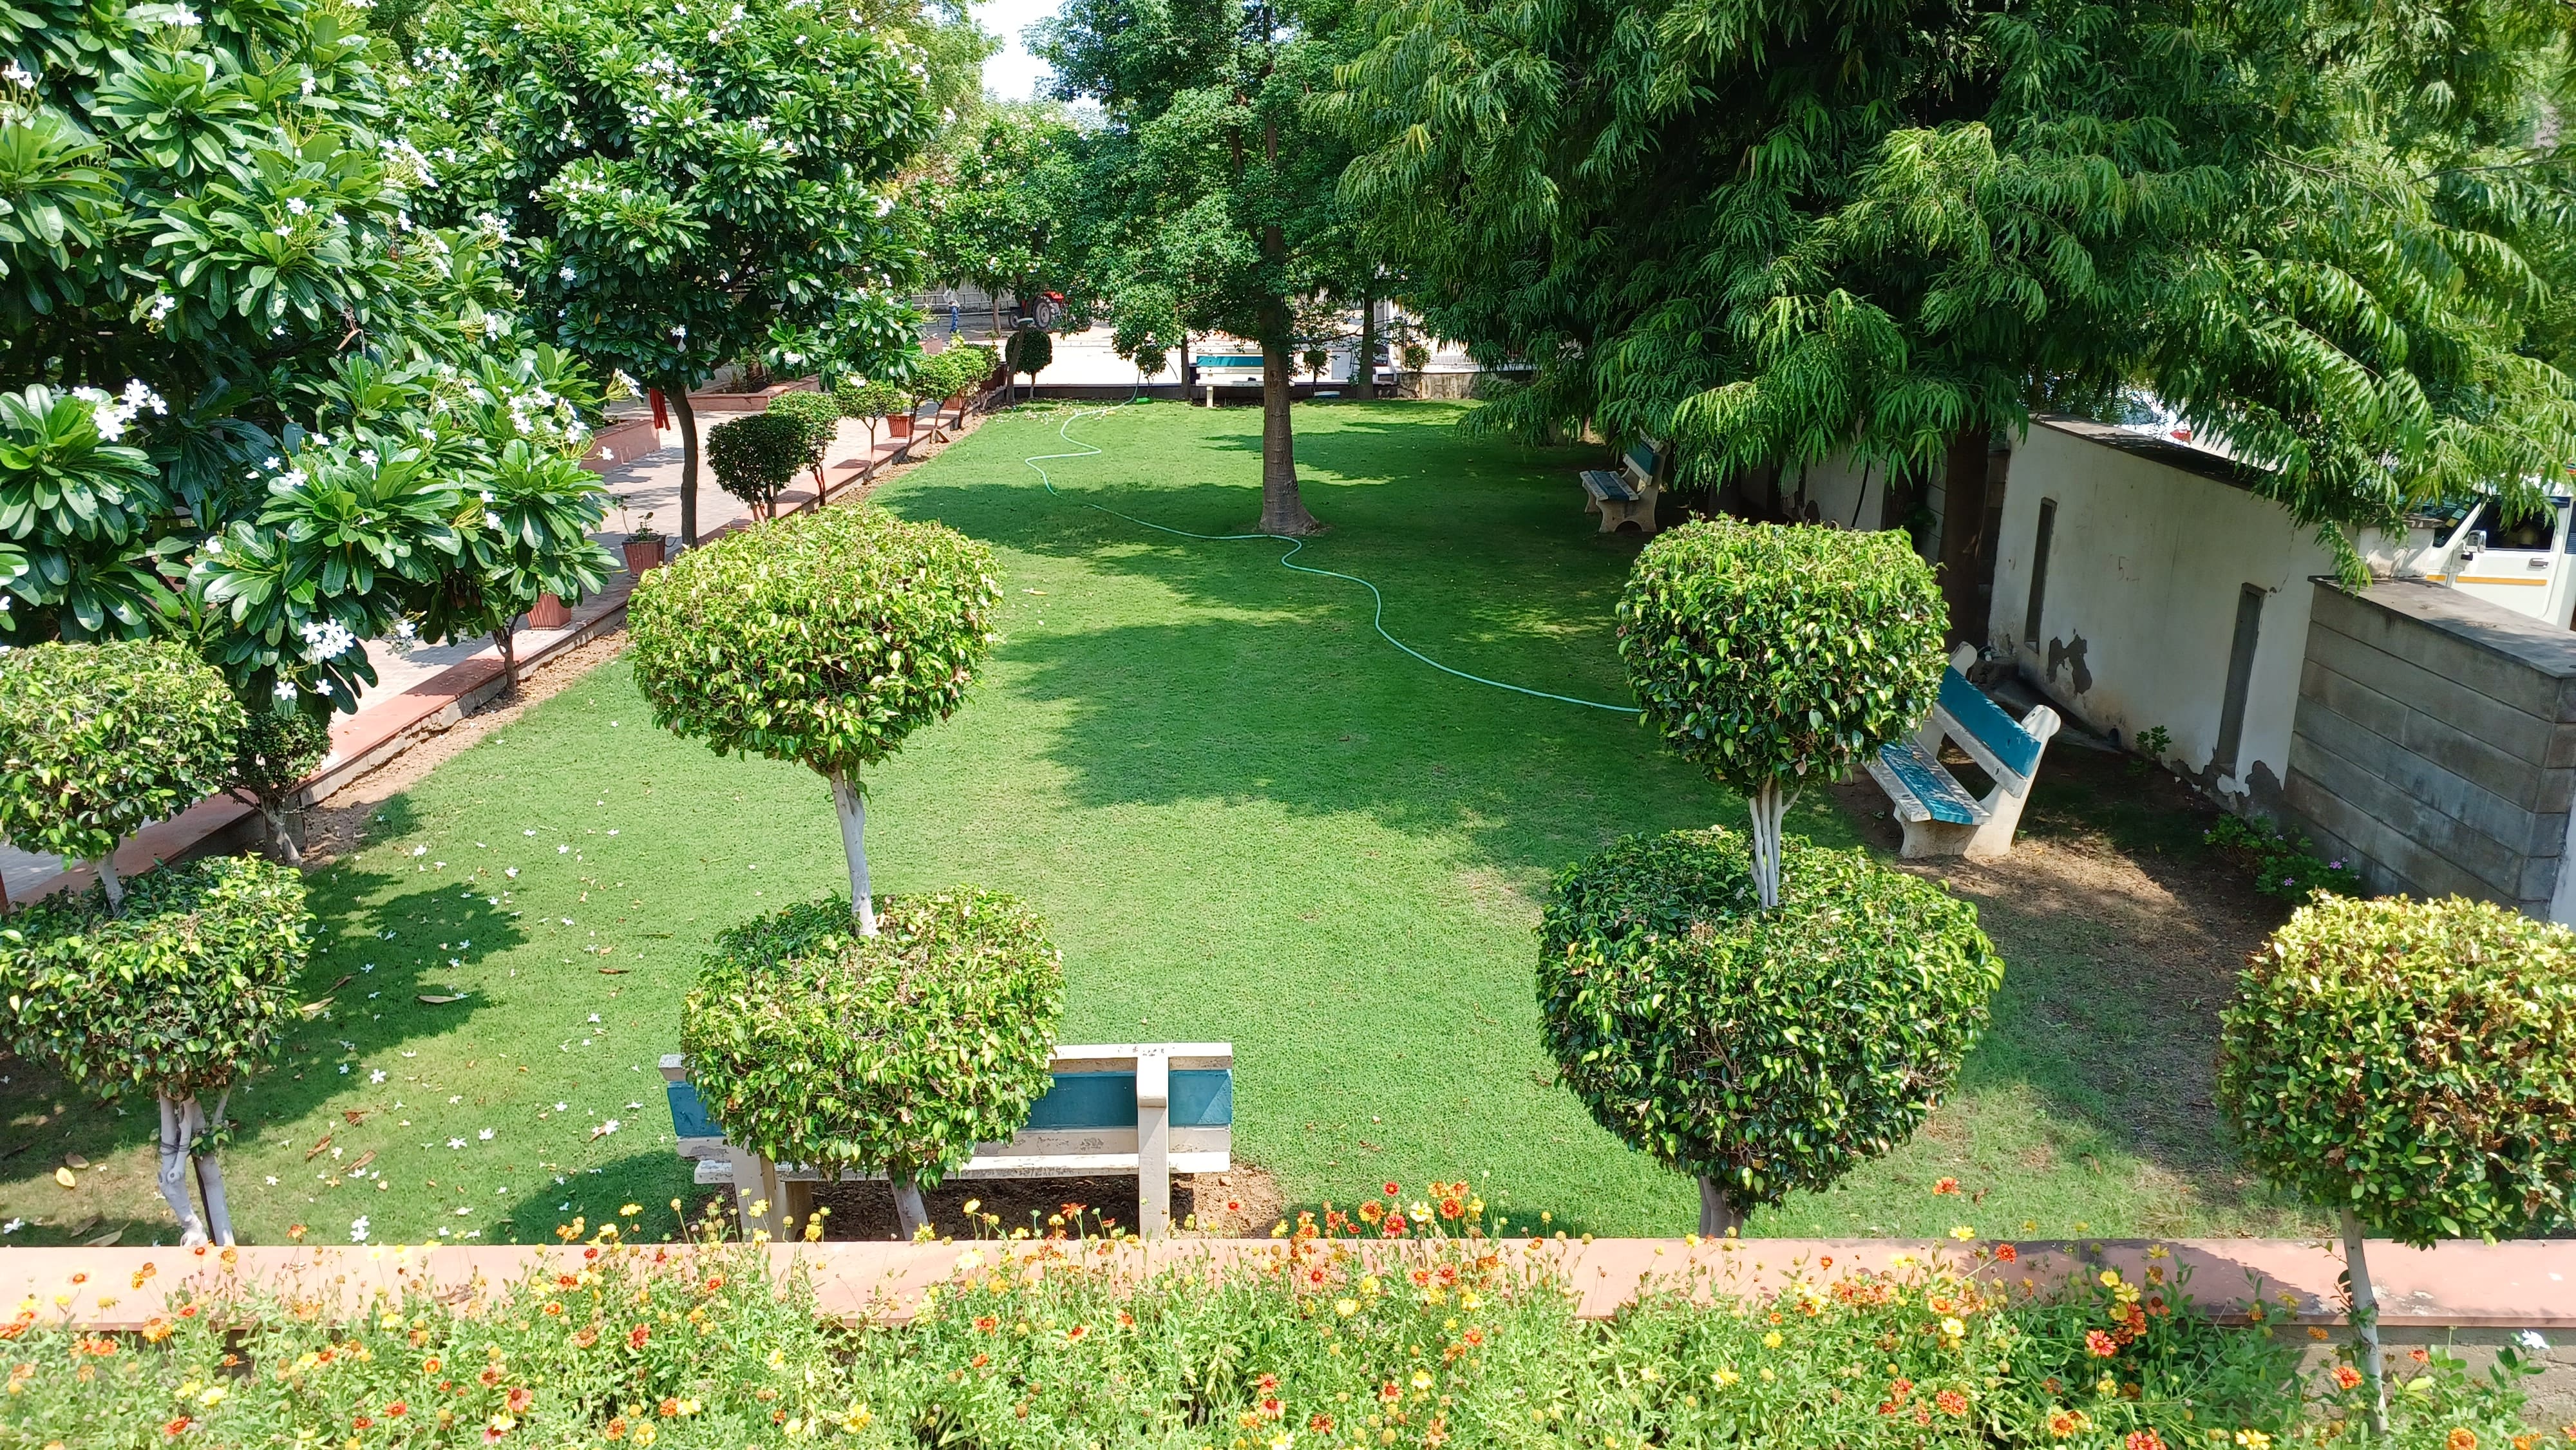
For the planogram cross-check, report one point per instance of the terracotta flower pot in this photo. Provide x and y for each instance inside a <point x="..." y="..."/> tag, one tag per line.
<point x="550" y="613"/>
<point x="899" y="425"/>
<point x="643" y="554"/>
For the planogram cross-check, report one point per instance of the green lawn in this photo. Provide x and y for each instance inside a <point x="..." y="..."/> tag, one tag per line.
<point x="1244" y="816"/>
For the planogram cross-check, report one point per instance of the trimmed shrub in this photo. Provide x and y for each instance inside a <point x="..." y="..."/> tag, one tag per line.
<point x="99" y="740"/>
<point x="2412" y="1066"/>
<point x="1762" y="1051"/>
<point x="757" y="455"/>
<point x="1029" y="351"/>
<point x="278" y="747"/>
<point x="180" y="995"/>
<point x="893" y="1053"/>
<point x="1778" y="656"/>
<point x="816" y="413"/>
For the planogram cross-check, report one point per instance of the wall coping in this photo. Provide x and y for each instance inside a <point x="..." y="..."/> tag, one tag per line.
<point x="2527" y="1284"/>
<point x="2480" y="623"/>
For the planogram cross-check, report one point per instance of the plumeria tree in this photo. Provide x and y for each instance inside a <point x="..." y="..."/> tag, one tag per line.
<point x="685" y="180"/>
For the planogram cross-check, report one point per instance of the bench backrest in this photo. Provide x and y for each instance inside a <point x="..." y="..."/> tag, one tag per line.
<point x="2016" y="749"/>
<point x="1095" y="1087"/>
<point x="1641" y="459"/>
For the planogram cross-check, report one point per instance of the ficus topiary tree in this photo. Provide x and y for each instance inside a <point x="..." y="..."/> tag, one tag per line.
<point x="180" y="994"/>
<point x="2410" y="1065"/>
<point x="824" y="638"/>
<point x="1029" y="351"/>
<point x="894" y="1052"/>
<point x="98" y="741"/>
<point x="820" y="418"/>
<point x="756" y="456"/>
<point x="869" y="402"/>
<point x="281" y="741"/>
<point x="1761" y="1051"/>
<point x="1777" y="656"/>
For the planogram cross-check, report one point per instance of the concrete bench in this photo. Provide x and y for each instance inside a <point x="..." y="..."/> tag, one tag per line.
<point x="1150" y="1109"/>
<point x="1628" y="495"/>
<point x="1939" y="815"/>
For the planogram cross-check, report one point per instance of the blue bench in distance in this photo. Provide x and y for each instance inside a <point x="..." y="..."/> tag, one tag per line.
<point x="1628" y="495"/>
<point x="1939" y="816"/>
<point x="1151" y="1109"/>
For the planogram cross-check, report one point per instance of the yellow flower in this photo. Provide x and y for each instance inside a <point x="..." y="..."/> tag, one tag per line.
<point x="1725" y="1376"/>
<point x="856" y="1420"/>
<point x="1346" y="1307"/>
<point x="1953" y="1328"/>
<point x="632" y="1209"/>
<point x="1368" y="1284"/>
<point x="1771" y="1340"/>
<point x="2253" y="1440"/>
<point x="1421" y="1380"/>
<point x="1767" y="1375"/>
<point x="2110" y="1278"/>
<point x="214" y="1396"/>
<point x="643" y="1434"/>
<point x="1963" y="1233"/>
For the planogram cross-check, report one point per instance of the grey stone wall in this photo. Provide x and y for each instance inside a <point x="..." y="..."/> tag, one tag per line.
<point x="2435" y="743"/>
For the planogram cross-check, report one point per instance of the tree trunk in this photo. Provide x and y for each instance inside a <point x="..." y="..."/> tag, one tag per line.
<point x="1365" y="375"/>
<point x="2365" y="1319"/>
<point x="506" y="639"/>
<point x="174" y="1175"/>
<point x="107" y="877"/>
<point x="281" y="835"/>
<point x="688" y="465"/>
<point x="1770" y="802"/>
<point x="910" y="1217"/>
<point x="1718" y="1215"/>
<point x="853" y="810"/>
<point x="1963" y="525"/>
<point x="210" y="1172"/>
<point x="1282" y="511"/>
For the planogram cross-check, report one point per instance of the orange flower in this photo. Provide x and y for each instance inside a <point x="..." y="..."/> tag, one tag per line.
<point x="397" y="1410"/>
<point x="586" y="1336"/>
<point x="2006" y="1253"/>
<point x="669" y="1407"/>
<point x="177" y="1427"/>
<point x="1951" y="1402"/>
<point x="429" y="1365"/>
<point x="1266" y="1383"/>
<point x="1389" y="1393"/>
<point x="636" y="1336"/>
<point x="2063" y="1423"/>
<point x="363" y="1422"/>
<point x="1452" y="1208"/>
<point x="1475" y="1335"/>
<point x="1946" y="1186"/>
<point x="979" y="1361"/>
<point x="489" y="1376"/>
<point x="2099" y="1345"/>
<point x="2143" y="1440"/>
<point x="1320" y="1424"/>
<point x="986" y="1324"/>
<point x="1074" y="1335"/>
<point x="2346" y="1377"/>
<point x="554" y="1309"/>
<point x="616" y="1428"/>
<point x="2461" y="1438"/>
<point x="519" y="1398"/>
<point x="1372" y="1211"/>
<point x="2419" y="1356"/>
<point x="296" y="1231"/>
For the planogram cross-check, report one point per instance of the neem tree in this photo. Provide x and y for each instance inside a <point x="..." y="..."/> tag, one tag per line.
<point x="891" y="1053"/>
<point x="99" y="741"/>
<point x="1774" y="657"/>
<point x="181" y="994"/>
<point x="2410" y="1065"/>
<point x="823" y="638"/>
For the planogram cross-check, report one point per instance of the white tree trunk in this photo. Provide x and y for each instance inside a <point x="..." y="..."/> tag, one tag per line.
<point x="853" y="809"/>
<point x="210" y="1175"/>
<point x="281" y="834"/>
<point x="2365" y="1319"/>
<point x="1717" y="1213"/>
<point x="910" y="1217"/>
<point x="107" y="877"/>
<point x="1769" y="804"/>
<point x="174" y="1175"/>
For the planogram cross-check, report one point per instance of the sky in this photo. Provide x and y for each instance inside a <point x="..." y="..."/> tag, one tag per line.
<point x="1012" y="73"/>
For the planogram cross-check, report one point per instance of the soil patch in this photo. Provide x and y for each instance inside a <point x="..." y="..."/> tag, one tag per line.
<point x="1241" y="1203"/>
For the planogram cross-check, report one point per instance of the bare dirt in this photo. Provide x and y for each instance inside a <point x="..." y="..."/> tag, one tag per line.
<point x="1243" y="1203"/>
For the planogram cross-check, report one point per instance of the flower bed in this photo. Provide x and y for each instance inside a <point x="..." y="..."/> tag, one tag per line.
<point x="1318" y="1340"/>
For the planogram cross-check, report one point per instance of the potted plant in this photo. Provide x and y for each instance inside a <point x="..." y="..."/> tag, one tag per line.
<point x="549" y="612"/>
<point x="644" y="543"/>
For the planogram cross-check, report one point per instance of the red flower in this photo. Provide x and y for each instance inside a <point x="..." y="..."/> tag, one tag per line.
<point x="492" y="1434"/>
<point x="363" y="1422"/>
<point x="1273" y="1408"/>
<point x="519" y="1398"/>
<point x="1475" y="1336"/>
<point x="177" y="1427"/>
<point x="1266" y="1383"/>
<point x="986" y="1324"/>
<point x="2143" y="1440"/>
<point x="1076" y="1332"/>
<point x="397" y="1410"/>
<point x="2099" y="1345"/>
<point x="636" y="1336"/>
<point x="2006" y="1253"/>
<point x="1320" y="1424"/>
<point x="1946" y="1186"/>
<point x="1389" y="1393"/>
<point x="2346" y="1377"/>
<point x="1451" y="1208"/>
<point x="489" y="1376"/>
<point x="1392" y="1189"/>
<point x="1394" y="1226"/>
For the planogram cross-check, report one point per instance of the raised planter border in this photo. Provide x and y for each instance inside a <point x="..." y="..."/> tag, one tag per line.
<point x="2523" y="1285"/>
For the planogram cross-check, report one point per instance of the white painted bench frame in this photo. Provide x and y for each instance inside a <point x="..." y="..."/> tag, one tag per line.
<point x="1614" y="512"/>
<point x="1998" y="814"/>
<point x="1153" y="1150"/>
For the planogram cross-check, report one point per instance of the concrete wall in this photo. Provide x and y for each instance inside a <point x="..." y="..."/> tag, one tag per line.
<point x="2436" y="744"/>
<point x="2153" y="545"/>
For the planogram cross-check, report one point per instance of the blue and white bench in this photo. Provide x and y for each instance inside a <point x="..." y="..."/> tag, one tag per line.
<point x="1939" y="816"/>
<point x="1628" y="495"/>
<point x="1151" y="1109"/>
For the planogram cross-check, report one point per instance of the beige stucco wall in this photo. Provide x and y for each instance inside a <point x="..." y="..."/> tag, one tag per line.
<point x="2139" y="612"/>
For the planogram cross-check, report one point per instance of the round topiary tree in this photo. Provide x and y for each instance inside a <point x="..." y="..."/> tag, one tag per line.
<point x="891" y="1053"/>
<point x="825" y="638"/>
<point x="2410" y="1065"/>
<point x="757" y="455"/>
<point x="180" y="994"/>
<point x="820" y="416"/>
<point x="1774" y="656"/>
<point x="99" y="740"/>
<point x="279" y="745"/>
<point x="1762" y="1051"/>
<point x="1029" y="351"/>
<point x="868" y="402"/>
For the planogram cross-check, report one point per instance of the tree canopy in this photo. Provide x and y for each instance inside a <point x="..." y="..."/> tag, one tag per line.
<point x="2326" y="233"/>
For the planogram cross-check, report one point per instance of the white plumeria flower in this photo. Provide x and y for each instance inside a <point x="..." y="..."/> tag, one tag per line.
<point x="455" y="1142"/>
<point x="379" y="1074"/>
<point x="485" y="1135"/>
<point x="15" y="1224"/>
<point x="2533" y="1339"/>
<point x="358" y="1229"/>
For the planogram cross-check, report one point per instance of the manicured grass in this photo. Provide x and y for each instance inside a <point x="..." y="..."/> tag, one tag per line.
<point x="1244" y="815"/>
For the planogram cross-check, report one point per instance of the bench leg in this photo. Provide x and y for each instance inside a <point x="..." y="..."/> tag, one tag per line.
<point x="748" y="1189"/>
<point x="1993" y="840"/>
<point x="1153" y="1144"/>
<point x="1935" y="838"/>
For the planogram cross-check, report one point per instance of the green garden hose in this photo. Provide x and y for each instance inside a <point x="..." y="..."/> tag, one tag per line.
<point x="1377" y="620"/>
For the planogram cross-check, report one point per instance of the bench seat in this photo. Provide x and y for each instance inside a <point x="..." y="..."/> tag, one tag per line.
<point x="1939" y="816"/>
<point x="1150" y="1109"/>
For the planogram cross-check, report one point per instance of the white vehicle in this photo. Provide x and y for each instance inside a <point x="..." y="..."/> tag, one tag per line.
<point x="2522" y="565"/>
